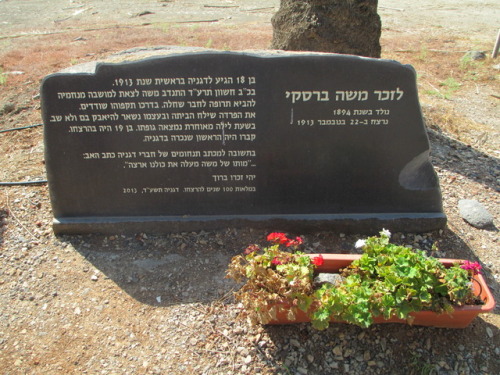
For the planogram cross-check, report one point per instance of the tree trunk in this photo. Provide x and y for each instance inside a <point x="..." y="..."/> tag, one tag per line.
<point x="340" y="26"/>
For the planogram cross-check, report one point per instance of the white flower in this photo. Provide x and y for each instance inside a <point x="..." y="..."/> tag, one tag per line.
<point x="385" y="233"/>
<point x="360" y="244"/>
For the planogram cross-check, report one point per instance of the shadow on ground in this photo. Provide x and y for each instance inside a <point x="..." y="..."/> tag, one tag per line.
<point x="457" y="157"/>
<point x="169" y="269"/>
<point x="190" y="267"/>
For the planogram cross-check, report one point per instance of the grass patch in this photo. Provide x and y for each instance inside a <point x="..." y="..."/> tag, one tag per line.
<point x="448" y="88"/>
<point x="163" y="26"/>
<point x="3" y="77"/>
<point x="443" y="118"/>
<point x="478" y="70"/>
<point x="420" y="366"/>
<point x="423" y="53"/>
<point x="451" y="84"/>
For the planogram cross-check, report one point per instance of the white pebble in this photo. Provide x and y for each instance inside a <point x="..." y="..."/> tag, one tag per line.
<point x="489" y="332"/>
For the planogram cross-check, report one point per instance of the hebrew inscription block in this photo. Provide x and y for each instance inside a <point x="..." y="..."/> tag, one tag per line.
<point x="203" y="139"/>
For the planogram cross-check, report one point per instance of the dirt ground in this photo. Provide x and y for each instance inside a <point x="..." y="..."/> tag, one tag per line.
<point x="151" y="304"/>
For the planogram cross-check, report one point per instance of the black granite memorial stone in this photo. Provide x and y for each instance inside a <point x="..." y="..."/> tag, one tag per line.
<point x="206" y="139"/>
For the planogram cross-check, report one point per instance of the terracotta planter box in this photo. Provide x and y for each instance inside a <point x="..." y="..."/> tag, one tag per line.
<point x="460" y="318"/>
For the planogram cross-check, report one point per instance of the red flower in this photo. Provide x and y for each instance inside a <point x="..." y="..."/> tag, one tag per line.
<point x="318" y="261"/>
<point x="473" y="267"/>
<point x="276" y="262"/>
<point x="296" y="242"/>
<point x="277" y="237"/>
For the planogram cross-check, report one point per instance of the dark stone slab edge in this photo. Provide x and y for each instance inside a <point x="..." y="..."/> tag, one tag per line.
<point x="351" y="223"/>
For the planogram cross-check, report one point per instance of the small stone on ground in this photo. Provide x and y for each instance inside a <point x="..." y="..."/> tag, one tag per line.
<point x="475" y="213"/>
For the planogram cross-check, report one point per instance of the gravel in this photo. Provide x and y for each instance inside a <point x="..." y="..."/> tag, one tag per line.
<point x="149" y="304"/>
<point x="135" y="304"/>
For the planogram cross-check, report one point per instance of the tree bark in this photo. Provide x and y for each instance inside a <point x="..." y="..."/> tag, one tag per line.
<point x="340" y="26"/>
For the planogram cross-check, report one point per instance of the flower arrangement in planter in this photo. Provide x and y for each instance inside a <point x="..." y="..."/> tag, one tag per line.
<point x="387" y="283"/>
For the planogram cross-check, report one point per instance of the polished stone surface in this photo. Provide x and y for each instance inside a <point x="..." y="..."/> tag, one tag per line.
<point x="204" y="139"/>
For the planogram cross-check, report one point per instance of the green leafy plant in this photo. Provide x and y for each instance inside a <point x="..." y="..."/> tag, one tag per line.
<point x="388" y="280"/>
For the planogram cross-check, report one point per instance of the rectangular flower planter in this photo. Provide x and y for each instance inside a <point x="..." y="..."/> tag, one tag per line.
<point x="460" y="318"/>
